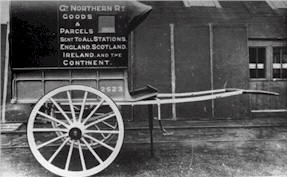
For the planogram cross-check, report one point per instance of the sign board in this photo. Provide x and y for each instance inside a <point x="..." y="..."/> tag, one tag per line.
<point x="73" y="34"/>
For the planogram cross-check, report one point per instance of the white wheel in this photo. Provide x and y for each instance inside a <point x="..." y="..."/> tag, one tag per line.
<point x="105" y="137"/>
<point x="84" y="119"/>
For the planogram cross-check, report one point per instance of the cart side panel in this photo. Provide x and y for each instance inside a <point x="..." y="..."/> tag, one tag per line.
<point x="29" y="86"/>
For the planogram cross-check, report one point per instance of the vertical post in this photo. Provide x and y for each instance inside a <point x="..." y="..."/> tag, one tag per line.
<point x="131" y="60"/>
<point x="268" y="65"/>
<point x="131" y="68"/>
<point x="173" y="76"/>
<point x="5" y="83"/>
<point x="150" y="121"/>
<point x="1" y="77"/>
<point x="210" y="25"/>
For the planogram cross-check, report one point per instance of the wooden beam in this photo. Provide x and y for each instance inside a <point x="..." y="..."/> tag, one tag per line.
<point x="1" y="77"/>
<point x="199" y="3"/>
<point x="269" y="111"/>
<point x="173" y="75"/>
<point x="211" y="64"/>
<point x="5" y="83"/>
<point x="131" y="69"/>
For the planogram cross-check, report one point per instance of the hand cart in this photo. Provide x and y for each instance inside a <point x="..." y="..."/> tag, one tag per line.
<point x="75" y="127"/>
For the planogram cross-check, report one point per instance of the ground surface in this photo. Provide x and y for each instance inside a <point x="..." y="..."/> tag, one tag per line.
<point x="196" y="152"/>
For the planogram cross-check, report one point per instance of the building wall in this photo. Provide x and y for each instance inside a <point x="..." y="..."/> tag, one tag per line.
<point x="192" y="67"/>
<point x="231" y="28"/>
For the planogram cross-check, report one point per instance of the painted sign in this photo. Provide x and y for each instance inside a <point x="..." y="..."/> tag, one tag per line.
<point x="73" y="34"/>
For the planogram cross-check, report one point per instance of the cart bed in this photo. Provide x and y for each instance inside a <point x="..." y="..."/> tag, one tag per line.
<point x="29" y="86"/>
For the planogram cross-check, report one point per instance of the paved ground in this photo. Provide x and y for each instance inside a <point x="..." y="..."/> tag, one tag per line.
<point x="197" y="152"/>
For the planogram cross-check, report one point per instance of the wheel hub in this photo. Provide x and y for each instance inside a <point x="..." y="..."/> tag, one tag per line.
<point x="75" y="133"/>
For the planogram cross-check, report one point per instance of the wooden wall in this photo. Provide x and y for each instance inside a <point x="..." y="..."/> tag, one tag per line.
<point x="192" y="67"/>
<point x="232" y="26"/>
<point x="260" y="102"/>
<point x="231" y="69"/>
<point x="151" y="63"/>
<point x="3" y="53"/>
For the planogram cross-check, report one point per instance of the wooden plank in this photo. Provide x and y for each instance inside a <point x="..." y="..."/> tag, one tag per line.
<point x="152" y="63"/>
<point x="269" y="110"/>
<point x="263" y="102"/>
<point x="189" y="124"/>
<point x="129" y="114"/>
<point x="252" y="98"/>
<point x="192" y="68"/>
<point x="9" y="127"/>
<point x="280" y="101"/>
<point x="2" y="61"/>
<point x="5" y="82"/>
<point x="231" y="69"/>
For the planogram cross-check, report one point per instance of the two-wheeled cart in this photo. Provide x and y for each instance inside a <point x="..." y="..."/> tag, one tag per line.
<point x="73" y="68"/>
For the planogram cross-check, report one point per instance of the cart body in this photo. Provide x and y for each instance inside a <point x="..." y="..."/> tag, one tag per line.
<point x="58" y="43"/>
<point x="69" y="59"/>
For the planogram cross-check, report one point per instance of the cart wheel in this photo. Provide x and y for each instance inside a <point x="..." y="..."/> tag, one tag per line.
<point x="104" y="137"/>
<point x="84" y="118"/>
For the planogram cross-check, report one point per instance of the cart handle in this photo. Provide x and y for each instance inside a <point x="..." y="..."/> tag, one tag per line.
<point x="255" y="92"/>
<point x="188" y="94"/>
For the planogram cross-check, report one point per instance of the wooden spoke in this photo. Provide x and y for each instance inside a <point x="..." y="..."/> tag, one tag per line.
<point x="100" y="120"/>
<point x="82" y="156"/>
<point x="50" y="130"/>
<point x="99" y="116"/>
<point x="69" y="155"/>
<point x="102" y="131"/>
<point x="109" y="125"/>
<point x="76" y="107"/>
<point x="71" y="105"/>
<point x="93" y="111"/>
<point x="58" y="150"/>
<point x="52" y="118"/>
<point x="101" y="143"/>
<point x="51" y="141"/>
<point x="83" y="106"/>
<point x="61" y="110"/>
<point x="92" y="151"/>
<point x="98" y="128"/>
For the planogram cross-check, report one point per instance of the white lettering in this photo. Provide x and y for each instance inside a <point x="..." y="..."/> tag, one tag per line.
<point x="86" y="62"/>
<point x="63" y="8"/>
<point x="77" y="16"/>
<point x="76" y="31"/>
<point x="99" y="8"/>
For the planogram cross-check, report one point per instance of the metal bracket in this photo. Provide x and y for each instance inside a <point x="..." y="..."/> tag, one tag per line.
<point x="164" y="131"/>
